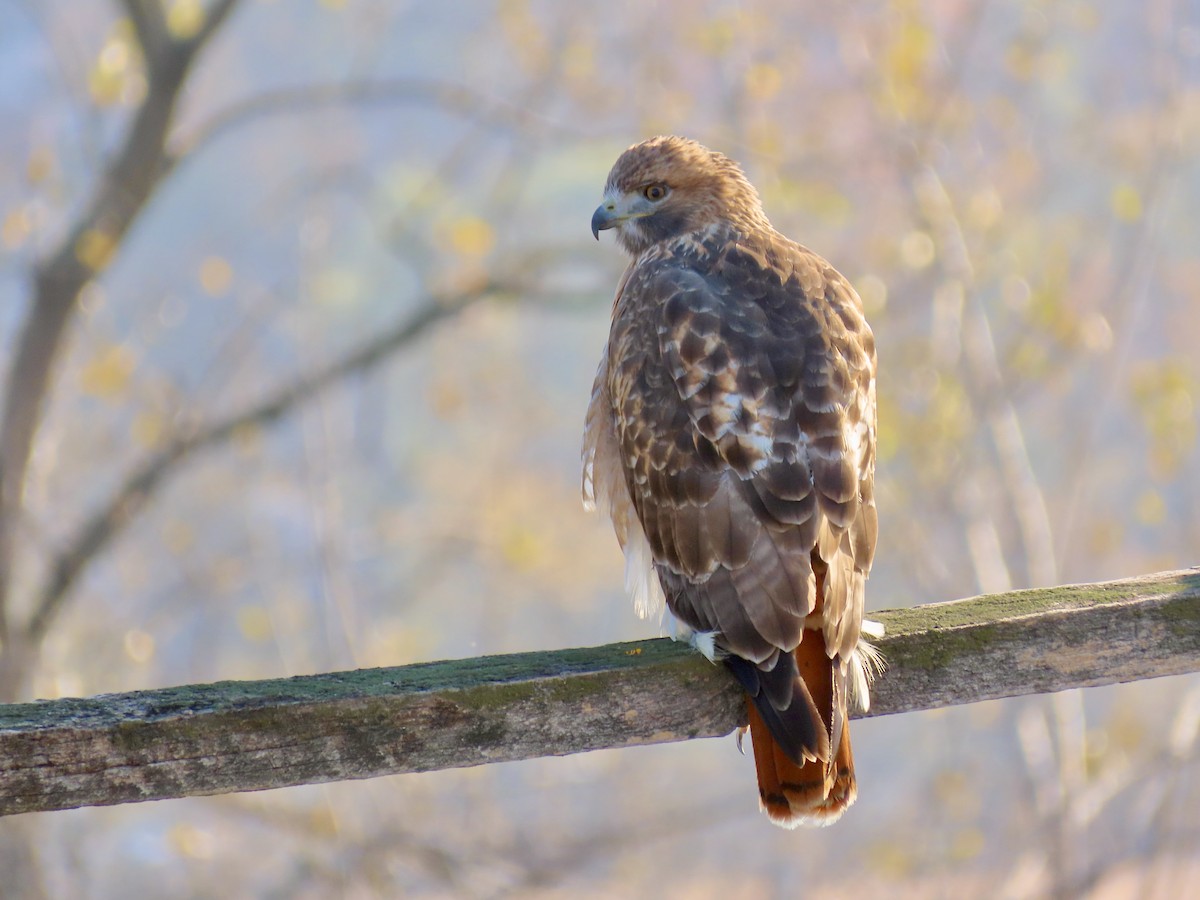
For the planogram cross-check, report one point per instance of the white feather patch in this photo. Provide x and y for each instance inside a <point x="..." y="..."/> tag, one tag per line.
<point x="866" y="664"/>
<point x="758" y="446"/>
<point x="589" y="483"/>
<point x="872" y="629"/>
<point x="704" y="642"/>
<point x="641" y="581"/>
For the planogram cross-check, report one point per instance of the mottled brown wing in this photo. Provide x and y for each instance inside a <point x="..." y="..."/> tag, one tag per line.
<point x="743" y="382"/>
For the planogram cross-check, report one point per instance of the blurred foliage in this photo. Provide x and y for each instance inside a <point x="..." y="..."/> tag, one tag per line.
<point x="1012" y="187"/>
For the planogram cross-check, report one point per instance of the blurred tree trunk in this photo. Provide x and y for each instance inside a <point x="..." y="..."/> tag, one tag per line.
<point x="125" y="187"/>
<point x="123" y="190"/>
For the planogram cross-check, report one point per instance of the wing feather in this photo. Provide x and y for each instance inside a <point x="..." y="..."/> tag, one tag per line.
<point x="741" y="375"/>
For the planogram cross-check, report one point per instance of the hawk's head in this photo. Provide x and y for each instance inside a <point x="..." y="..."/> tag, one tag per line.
<point x="668" y="186"/>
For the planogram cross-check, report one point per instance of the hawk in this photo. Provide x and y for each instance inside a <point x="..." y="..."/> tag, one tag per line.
<point x="731" y="439"/>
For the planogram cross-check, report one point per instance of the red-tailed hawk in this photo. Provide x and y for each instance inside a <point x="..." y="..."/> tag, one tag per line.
<point x="731" y="438"/>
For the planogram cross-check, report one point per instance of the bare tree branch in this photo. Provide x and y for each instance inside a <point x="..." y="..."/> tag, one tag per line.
<point x="139" y="486"/>
<point x="244" y="736"/>
<point x="282" y="101"/>
<point x="149" y="25"/>
<point x="120" y="195"/>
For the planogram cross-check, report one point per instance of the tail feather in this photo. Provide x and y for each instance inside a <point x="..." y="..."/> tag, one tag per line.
<point x="785" y="706"/>
<point x="799" y="726"/>
<point x="812" y="793"/>
<point x="814" y="790"/>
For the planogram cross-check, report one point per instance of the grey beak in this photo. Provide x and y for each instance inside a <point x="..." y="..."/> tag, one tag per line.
<point x="602" y="219"/>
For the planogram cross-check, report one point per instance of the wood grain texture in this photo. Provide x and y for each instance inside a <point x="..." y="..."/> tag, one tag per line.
<point x="245" y="736"/>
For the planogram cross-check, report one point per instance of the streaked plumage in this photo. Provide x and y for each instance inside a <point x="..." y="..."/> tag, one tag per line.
<point x="731" y="438"/>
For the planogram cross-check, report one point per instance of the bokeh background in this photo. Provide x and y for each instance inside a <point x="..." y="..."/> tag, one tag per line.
<point x="319" y="407"/>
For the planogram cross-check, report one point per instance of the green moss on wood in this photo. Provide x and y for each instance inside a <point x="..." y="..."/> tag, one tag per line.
<point x="1038" y="601"/>
<point x="909" y="653"/>
<point x="1183" y="617"/>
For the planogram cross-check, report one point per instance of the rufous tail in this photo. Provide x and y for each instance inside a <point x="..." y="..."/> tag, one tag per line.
<point x="815" y="791"/>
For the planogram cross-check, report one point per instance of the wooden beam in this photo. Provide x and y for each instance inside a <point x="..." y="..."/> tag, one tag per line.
<point x="246" y="736"/>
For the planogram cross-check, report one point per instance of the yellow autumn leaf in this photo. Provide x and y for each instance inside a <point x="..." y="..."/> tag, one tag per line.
<point x="905" y="62"/>
<point x="114" y="77"/>
<point x="105" y="87"/>
<point x="763" y="81"/>
<point x="1150" y="507"/>
<point x="1126" y="203"/>
<point x="579" y="60"/>
<point x="139" y="645"/>
<point x="192" y="842"/>
<point x="525" y="33"/>
<point x="335" y="286"/>
<point x="446" y="398"/>
<point x="522" y="549"/>
<point x="1096" y="333"/>
<point x="912" y="45"/>
<point x="322" y="821"/>
<point x="917" y="250"/>
<point x="765" y="137"/>
<point x="814" y="196"/>
<point x="216" y="275"/>
<point x="254" y="623"/>
<point x="15" y="228"/>
<point x="114" y="56"/>
<point x="1021" y="60"/>
<point x="185" y="18"/>
<point x="40" y="164"/>
<point x="874" y="293"/>
<point x="715" y="36"/>
<point x="891" y="857"/>
<point x="147" y="430"/>
<point x="471" y="236"/>
<point x="985" y="208"/>
<point x="108" y="373"/>
<point x="95" y="248"/>
<point x="967" y="844"/>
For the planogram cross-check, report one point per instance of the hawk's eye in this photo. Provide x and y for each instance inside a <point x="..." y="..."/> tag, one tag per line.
<point x="654" y="192"/>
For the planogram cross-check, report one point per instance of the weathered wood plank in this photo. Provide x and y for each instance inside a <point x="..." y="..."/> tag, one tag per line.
<point x="245" y="736"/>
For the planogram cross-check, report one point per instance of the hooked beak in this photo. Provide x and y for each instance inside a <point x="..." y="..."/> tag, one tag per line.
<point x="605" y="217"/>
<point x="618" y="209"/>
